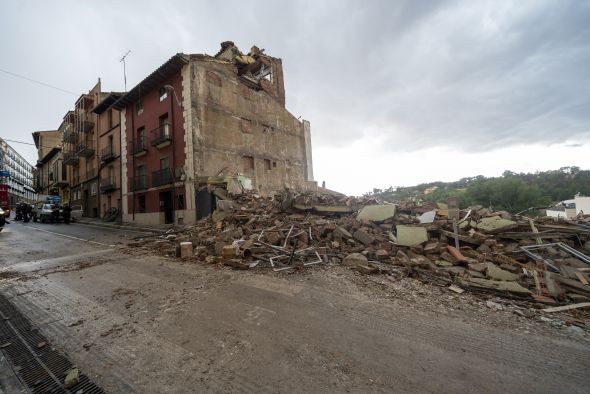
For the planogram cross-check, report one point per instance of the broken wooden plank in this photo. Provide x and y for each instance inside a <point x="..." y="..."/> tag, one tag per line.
<point x="581" y="277"/>
<point x="456" y="289"/>
<point x="567" y="307"/>
<point x="537" y="238"/>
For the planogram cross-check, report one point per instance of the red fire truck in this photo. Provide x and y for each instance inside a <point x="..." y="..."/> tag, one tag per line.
<point x="4" y="200"/>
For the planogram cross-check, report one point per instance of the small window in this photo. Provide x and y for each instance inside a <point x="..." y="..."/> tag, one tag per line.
<point x="246" y="125"/>
<point x="141" y="203"/>
<point x="267" y="164"/>
<point x="163" y="94"/>
<point x="274" y="164"/>
<point x="139" y="107"/>
<point x="93" y="189"/>
<point x="164" y="163"/>
<point x="248" y="163"/>
<point x="180" y="201"/>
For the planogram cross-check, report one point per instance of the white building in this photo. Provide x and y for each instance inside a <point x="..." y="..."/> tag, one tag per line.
<point x="20" y="175"/>
<point x="582" y="205"/>
<point x="565" y="209"/>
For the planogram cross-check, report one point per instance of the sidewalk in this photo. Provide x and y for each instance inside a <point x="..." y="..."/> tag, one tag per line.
<point x="124" y="226"/>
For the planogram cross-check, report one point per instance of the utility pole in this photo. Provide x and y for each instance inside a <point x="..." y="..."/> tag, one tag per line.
<point x="122" y="60"/>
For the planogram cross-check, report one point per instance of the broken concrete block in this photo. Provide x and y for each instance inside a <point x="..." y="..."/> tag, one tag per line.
<point x="493" y="224"/>
<point x="483" y="248"/>
<point x="342" y="233"/>
<point x="402" y="257"/>
<point x="411" y="235"/>
<point x="186" y="249"/>
<point x="355" y="259"/>
<point x="479" y="267"/>
<point x="432" y="247"/>
<point x="237" y="263"/>
<point x="363" y="237"/>
<point x="376" y="213"/>
<point x="365" y="269"/>
<point x="72" y="378"/>
<point x="381" y="254"/>
<point x="427" y="217"/>
<point x="495" y="273"/>
<point x="511" y="287"/>
<point x="225" y="205"/>
<point x="229" y="252"/>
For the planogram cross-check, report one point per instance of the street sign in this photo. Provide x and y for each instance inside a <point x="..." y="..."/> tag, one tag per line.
<point x="53" y="199"/>
<point x="4" y="173"/>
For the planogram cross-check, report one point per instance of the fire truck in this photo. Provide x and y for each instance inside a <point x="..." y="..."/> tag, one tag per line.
<point x="4" y="200"/>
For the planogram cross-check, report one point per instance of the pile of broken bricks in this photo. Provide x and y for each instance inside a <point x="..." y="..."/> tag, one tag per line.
<point x="476" y="249"/>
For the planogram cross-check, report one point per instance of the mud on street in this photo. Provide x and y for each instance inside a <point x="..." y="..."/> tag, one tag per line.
<point x="135" y="322"/>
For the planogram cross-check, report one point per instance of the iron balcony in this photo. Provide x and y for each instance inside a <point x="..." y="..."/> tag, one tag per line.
<point x="107" y="154"/>
<point x="162" y="177"/>
<point x="139" y="183"/>
<point x="138" y="147"/>
<point x="107" y="185"/>
<point x="162" y="136"/>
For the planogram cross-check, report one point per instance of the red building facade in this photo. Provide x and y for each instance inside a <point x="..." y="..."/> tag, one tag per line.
<point x="154" y="147"/>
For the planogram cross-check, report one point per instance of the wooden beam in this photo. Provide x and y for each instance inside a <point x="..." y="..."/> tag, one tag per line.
<point x="567" y="307"/>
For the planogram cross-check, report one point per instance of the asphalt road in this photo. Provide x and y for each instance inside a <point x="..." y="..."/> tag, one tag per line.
<point x="140" y="323"/>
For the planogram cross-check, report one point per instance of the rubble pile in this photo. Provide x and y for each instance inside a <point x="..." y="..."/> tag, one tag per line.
<point x="475" y="249"/>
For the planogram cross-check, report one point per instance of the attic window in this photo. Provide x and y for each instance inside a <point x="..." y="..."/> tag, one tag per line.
<point x="163" y="94"/>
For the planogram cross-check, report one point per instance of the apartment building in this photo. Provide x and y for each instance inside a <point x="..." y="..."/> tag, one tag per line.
<point x="200" y="116"/>
<point x="17" y="177"/>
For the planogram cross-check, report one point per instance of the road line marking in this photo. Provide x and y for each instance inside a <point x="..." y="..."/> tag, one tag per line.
<point x="116" y="229"/>
<point x="72" y="237"/>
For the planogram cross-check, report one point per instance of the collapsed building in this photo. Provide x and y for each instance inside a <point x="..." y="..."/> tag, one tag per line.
<point x="201" y="120"/>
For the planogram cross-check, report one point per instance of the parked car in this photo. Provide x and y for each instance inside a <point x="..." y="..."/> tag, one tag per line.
<point x="46" y="213"/>
<point x="77" y="212"/>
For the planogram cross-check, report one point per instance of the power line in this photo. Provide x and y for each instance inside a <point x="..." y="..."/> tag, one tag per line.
<point x="37" y="82"/>
<point x="27" y="143"/>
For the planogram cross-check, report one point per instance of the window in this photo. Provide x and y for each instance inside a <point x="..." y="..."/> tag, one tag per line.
<point x="248" y="163"/>
<point x="180" y="201"/>
<point x="139" y="107"/>
<point x="246" y="125"/>
<point x="164" y="126"/>
<point x="274" y="164"/>
<point x="141" y="203"/>
<point x="141" y="170"/>
<point x="267" y="164"/>
<point x="93" y="189"/>
<point x="164" y="163"/>
<point x="163" y="94"/>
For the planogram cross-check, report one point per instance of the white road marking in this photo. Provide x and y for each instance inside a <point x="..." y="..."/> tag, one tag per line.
<point x="72" y="237"/>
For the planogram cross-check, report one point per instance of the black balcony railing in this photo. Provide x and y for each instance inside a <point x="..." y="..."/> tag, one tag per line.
<point x="85" y="150"/>
<point x="138" y="146"/>
<point x="162" y="134"/>
<point x="107" y="154"/>
<point x="162" y="177"/>
<point x="70" y="158"/>
<point x="107" y="184"/>
<point x="139" y="182"/>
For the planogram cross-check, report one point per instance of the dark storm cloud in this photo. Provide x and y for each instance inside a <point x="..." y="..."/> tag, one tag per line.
<point x="412" y="74"/>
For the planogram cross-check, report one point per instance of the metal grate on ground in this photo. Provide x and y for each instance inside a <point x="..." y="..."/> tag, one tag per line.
<point x="42" y="368"/>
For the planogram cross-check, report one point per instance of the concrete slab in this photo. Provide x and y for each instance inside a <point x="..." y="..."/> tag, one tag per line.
<point x="376" y="213"/>
<point x="411" y="235"/>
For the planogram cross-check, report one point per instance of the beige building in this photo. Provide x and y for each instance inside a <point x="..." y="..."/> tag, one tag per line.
<point x="109" y="153"/>
<point x="199" y="118"/>
<point x="80" y="139"/>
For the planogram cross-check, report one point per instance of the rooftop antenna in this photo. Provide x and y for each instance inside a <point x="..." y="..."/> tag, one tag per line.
<point x="122" y="60"/>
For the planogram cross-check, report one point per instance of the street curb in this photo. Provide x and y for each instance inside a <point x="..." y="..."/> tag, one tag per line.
<point x="120" y="227"/>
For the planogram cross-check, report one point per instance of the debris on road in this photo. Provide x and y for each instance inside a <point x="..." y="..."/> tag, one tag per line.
<point x="475" y="250"/>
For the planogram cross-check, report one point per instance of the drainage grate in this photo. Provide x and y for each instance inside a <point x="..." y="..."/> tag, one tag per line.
<point x="42" y="369"/>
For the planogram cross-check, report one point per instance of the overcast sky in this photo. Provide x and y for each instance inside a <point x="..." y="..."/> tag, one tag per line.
<point x="397" y="92"/>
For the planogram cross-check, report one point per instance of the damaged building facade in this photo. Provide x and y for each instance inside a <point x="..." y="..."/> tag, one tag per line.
<point x="200" y="120"/>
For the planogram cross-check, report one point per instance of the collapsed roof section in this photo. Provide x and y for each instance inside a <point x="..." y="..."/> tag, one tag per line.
<point x="256" y="69"/>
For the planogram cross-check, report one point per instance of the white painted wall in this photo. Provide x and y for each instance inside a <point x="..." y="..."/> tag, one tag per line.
<point x="582" y="205"/>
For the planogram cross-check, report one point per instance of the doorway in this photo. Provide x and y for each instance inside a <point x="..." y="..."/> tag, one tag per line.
<point x="166" y="204"/>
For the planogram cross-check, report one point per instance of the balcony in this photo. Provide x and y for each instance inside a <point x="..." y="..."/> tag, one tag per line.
<point x="107" y="154"/>
<point x="85" y="150"/>
<point x="162" y="177"/>
<point x="84" y="122"/>
<point x="138" y="147"/>
<point x="70" y="158"/>
<point x="107" y="185"/>
<point x="70" y="136"/>
<point x="139" y="183"/>
<point x="162" y="136"/>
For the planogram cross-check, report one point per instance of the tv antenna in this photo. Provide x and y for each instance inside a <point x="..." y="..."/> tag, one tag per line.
<point x="122" y="60"/>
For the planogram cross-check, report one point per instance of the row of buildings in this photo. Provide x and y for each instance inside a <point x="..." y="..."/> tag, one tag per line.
<point x="16" y="181"/>
<point x="152" y="155"/>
